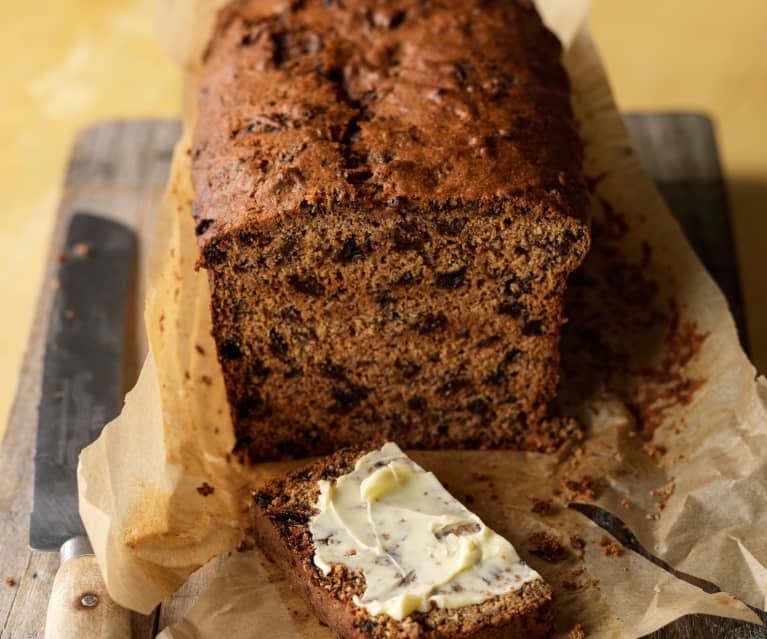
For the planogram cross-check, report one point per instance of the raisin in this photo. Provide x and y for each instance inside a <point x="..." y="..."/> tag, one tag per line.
<point x="512" y="309"/>
<point x="451" y="279"/>
<point x="228" y="349"/>
<point x="257" y="372"/>
<point x="454" y="385"/>
<point x="333" y="371"/>
<point x="478" y="406"/>
<point x="488" y="341"/>
<point x="348" y="397"/>
<point x="289" y="46"/>
<point x="202" y="226"/>
<point x="564" y="247"/>
<point x="277" y="344"/>
<point x="397" y="19"/>
<point x="533" y="327"/>
<point x="408" y="237"/>
<point x="291" y="517"/>
<point x="212" y="254"/>
<point x="358" y="177"/>
<point x="291" y="314"/>
<point x="451" y="228"/>
<point x="405" y="279"/>
<point x="288" y="248"/>
<point x="384" y="299"/>
<point x="417" y="403"/>
<point x="495" y="378"/>
<point x="309" y="285"/>
<point x="263" y="499"/>
<point x="293" y="371"/>
<point x="350" y="251"/>
<point x="366" y="626"/>
<point x="409" y="369"/>
<point x="251" y="406"/>
<point x="430" y="323"/>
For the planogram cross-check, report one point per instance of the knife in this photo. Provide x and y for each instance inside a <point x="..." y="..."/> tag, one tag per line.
<point x="81" y="391"/>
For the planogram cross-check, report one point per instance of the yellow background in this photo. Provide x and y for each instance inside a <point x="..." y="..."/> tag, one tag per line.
<point x="66" y="64"/>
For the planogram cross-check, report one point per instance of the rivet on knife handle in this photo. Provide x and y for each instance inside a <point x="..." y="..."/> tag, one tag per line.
<point x="80" y="606"/>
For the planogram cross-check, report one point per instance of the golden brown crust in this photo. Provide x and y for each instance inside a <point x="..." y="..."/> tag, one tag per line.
<point x="389" y="200"/>
<point x="282" y="510"/>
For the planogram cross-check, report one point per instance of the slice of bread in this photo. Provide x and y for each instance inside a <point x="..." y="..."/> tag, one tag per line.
<point x="283" y="509"/>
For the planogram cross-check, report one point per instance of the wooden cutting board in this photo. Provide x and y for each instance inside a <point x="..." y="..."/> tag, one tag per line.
<point x="119" y="169"/>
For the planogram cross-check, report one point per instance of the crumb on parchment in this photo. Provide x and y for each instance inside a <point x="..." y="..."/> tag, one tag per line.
<point x="609" y="547"/>
<point x="577" y="632"/>
<point x="581" y="489"/>
<point x="578" y="544"/>
<point x="541" y="506"/>
<point x="205" y="489"/>
<point x="546" y="546"/>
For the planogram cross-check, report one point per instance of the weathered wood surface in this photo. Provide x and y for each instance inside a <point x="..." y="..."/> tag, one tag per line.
<point x="680" y="153"/>
<point x="119" y="170"/>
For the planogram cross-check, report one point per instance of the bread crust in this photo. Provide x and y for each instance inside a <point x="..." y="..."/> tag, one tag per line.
<point x="282" y="509"/>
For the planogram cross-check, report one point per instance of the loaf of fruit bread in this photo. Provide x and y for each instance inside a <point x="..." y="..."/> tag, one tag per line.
<point x="380" y="550"/>
<point x="388" y="201"/>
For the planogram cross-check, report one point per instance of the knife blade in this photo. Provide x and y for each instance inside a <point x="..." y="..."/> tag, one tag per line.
<point x="81" y="391"/>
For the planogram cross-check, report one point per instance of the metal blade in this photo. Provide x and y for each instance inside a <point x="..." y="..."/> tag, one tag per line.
<point x="82" y="368"/>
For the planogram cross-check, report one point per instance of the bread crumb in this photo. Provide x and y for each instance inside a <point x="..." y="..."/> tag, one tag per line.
<point x="541" y="506"/>
<point x="69" y="314"/>
<point x="665" y="491"/>
<point x="653" y="450"/>
<point x="609" y="547"/>
<point x="580" y="489"/>
<point x="246" y="544"/>
<point x="577" y="632"/>
<point x="81" y="249"/>
<point x="199" y="349"/>
<point x="205" y="489"/>
<point x="10" y="581"/>
<point x="624" y="503"/>
<point x="578" y="544"/>
<point x="546" y="546"/>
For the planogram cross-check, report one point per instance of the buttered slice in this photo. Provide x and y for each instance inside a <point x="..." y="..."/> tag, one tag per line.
<point x="416" y="545"/>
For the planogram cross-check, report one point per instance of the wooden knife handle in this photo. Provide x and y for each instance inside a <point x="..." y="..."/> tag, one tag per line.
<point x="81" y="608"/>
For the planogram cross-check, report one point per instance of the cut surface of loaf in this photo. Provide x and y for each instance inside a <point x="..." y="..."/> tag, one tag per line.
<point x="283" y="512"/>
<point x="388" y="202"/>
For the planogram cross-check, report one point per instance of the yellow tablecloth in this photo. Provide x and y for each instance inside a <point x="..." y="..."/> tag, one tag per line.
<point x="69" y="64"/>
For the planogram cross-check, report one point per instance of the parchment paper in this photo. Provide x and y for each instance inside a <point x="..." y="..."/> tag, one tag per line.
<point x="675" y="421"/>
